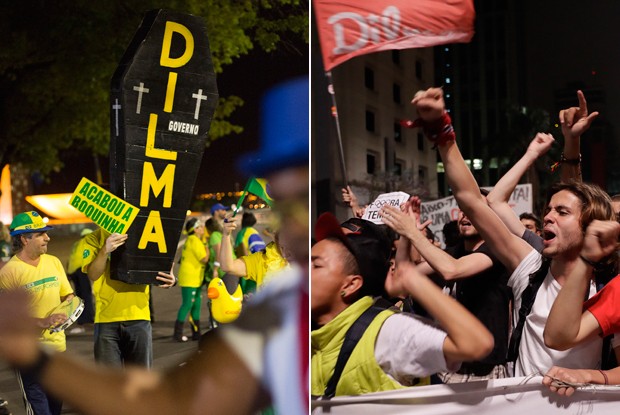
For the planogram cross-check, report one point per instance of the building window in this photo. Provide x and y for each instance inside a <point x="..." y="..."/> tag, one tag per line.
<point x="399" y="167"/>
<point x="420" y="142"/>
<point x="422" y="173"/>
<point x="396" y="93"/>
<point x="398" y="132"/>
<point x="396" y="57"/>
<point x="418" y="70"/>
<point x="369" y="78"/>
<point x="370" y="121"/>
<point x="371" y="163"/>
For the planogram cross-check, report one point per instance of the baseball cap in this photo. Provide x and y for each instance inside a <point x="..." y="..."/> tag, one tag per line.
<point x="355" y="224"/>
<point x="369" y="245"/>
<point x="218" y="206"/>
<point x="284" y="130"/>
<point x="28" y="222"/>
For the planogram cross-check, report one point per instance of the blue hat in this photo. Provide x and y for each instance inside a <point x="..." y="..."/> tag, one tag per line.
<point x="218" y="206"/>
<point x="284" y="132"/>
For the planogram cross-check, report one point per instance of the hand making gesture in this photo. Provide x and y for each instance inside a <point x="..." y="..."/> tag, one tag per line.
<point x="575" y="120"/>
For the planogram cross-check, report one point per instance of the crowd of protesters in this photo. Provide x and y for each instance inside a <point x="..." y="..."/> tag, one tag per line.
<point x="519" y="283"/>
<point x="262" y="354"/>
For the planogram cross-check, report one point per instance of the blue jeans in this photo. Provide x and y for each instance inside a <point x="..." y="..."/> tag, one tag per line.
<point x="35" y="397"/>
<point x="124" y="342"/>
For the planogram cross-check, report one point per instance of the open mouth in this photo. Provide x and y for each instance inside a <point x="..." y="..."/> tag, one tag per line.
<point x="548" y="236"/>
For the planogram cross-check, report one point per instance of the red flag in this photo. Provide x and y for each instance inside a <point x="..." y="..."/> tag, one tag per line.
<point x="349" y="28"/>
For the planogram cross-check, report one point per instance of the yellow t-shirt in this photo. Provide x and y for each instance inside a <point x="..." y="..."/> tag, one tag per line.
<point x="191" y="270"/>
<point x="46" y="283"/>
<point x="114" y="300"/>
<point x="75" y="258"/>
<point x="261" y="265"/>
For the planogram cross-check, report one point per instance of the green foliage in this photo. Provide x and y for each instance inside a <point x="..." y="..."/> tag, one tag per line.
<point x="220" y="126"/>
<point x="58" y="57"/>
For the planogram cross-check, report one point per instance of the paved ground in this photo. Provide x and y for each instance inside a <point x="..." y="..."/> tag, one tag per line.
<point x="166" y="352"/>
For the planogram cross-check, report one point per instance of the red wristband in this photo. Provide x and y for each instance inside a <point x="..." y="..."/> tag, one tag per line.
<point x="439" y="131"/>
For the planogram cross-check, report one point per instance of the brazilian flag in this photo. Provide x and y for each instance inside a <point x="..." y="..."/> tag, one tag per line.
<point x="258" y="187"/>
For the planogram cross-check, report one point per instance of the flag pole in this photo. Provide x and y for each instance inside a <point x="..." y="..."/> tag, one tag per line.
<point x="239" y="203"/>
<point x="242" y="198"/>
<point x="330" y="89"/>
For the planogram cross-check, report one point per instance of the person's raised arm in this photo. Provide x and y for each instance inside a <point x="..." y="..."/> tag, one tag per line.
<point x="96" y="268"/>
<point x="508" y="248"/>
<point x="406" y="251"/>
<point x="574" y="122"/>
<point x="227" y="263"/>
<point x="467" y="337"/>
<point x="499" y="196"/>
<point x="349" y="198"/>
<point x="568" y="325"/>
<point x="440" y="261"/>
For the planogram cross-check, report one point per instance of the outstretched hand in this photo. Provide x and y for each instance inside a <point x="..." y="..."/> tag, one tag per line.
<point x="398" y="220"/>
<point x="413" y="208"/>
<point x="575" y="120"/>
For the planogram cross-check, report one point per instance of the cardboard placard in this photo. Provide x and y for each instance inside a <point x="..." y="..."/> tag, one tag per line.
<point x="163" y="98"/>
<point x="102" y="207"/>
<point x="393" y="199"/>
<point x="442" y="211"/>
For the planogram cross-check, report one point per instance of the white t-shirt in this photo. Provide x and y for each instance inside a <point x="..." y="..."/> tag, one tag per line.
<point x="408" y="346"/>
<point x="534" y="356"/>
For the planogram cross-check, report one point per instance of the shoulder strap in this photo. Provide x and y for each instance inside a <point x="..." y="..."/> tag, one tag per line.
<point x="354" y="334"/>
<point x="527" y="302"/>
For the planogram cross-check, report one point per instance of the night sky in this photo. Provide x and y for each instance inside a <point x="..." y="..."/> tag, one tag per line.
<point x="567" y="43"/>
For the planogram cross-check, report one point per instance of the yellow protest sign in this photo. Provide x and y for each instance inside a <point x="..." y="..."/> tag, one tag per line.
<point x="102" y="207"/>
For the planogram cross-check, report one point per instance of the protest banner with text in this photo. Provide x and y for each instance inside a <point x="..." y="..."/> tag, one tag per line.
<point x="392" y="199"/>
<point x="442" y="211"/>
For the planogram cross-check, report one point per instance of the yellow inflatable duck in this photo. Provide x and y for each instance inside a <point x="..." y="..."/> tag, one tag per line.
<point x="225" y="308"/>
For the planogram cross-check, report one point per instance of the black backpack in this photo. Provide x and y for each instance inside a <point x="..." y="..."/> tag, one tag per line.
<point x="352" y="337"/>
<point x="527" y="302"/>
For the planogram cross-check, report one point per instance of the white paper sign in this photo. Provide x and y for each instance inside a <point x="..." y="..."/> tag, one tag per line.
<point x="393" y="199"/>
<point x="442" y="211"/>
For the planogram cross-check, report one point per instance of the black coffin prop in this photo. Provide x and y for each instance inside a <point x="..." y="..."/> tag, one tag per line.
<point x="163" y="97"/>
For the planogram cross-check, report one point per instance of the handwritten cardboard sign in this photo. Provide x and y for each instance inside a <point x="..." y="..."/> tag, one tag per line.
<point x="108" y="211"/>
<point x="442" y="211"/>
<point x="163" y="98"/>
<point x="393" y="199"/>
